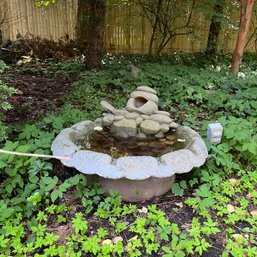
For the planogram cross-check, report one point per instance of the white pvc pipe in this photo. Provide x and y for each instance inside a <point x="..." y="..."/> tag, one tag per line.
<point x="35" y="155"/>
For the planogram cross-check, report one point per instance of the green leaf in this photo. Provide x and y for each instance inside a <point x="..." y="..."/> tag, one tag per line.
<point x="203" y="191"/>
<point x="2" y="164"/>
<point x="180" y="254"/>
<point x="23" y="148"/>
<point x="64" y="186"/>
<point x="208" y="202"/>
<point x="11" y="146"/>
<point x="252" y="148"/>
<point x="33" y="179"/>
<point x="5" y="212"/>
<point x="177" y="190"/>
<point x="54" y="195"/>
<point x="49" y="183"/>
<point x="74" y="180"/>
<point x="9" y="188"/>
<point x="183" y="184"/>
<point x="174" y="242"/>
<point x="166" y="249"/>
<point x="11" y="171"/>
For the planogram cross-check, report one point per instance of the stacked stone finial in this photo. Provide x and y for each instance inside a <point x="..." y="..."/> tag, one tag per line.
<point x="133" y="177"/>
<point x="143" y="100"/>
<point x="140" y="119"/>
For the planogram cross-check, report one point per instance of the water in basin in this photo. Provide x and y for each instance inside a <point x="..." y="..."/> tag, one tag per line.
<point x="104" y="142"/>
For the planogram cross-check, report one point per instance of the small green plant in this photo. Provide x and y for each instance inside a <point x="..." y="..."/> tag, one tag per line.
<point x="178" y="188"/>
<point x="38" y="206"/>
<point x="79" y="224"/>
<point x="67" y="69"/>
<point x="5" y="92"/>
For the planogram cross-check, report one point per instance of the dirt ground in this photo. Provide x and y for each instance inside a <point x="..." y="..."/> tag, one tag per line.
<point x="37" y="95"/>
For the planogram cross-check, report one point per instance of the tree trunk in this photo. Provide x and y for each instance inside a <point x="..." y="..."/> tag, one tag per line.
<point x="215" y="28"/>
<point x="82" y="24"/>
<point x="95" y="34"/>
<point x="245" y="18"/>
<point x="154" y="29"/>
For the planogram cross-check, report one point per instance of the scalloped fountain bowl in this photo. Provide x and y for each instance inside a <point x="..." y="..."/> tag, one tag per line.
<point x="136" y="178"/>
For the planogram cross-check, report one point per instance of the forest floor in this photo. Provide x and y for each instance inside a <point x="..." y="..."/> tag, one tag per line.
<point x="39" y="94"/>
<point x="210" y="211"/>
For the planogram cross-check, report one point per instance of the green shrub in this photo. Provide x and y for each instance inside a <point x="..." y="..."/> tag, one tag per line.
<point x="189" y="92"/>
<point x="222" y="193"/>
<point x="66" y="69"/>
<point x="5" y="92"/>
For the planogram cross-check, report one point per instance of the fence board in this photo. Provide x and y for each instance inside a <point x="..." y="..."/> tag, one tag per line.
<point x="127" y="30"/>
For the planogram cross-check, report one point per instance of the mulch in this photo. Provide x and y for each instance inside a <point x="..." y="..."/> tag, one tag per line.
<point x="37" y="93"/>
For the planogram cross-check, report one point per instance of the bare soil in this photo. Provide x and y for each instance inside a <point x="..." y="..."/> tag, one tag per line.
<point x="38" y="93"/>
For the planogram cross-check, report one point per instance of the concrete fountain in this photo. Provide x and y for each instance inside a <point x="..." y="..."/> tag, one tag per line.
<point x="136" y="150"/>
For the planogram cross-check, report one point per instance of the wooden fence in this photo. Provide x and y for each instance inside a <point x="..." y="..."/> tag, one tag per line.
<point x="53" y="22"/>
<point x="127" y="30"/>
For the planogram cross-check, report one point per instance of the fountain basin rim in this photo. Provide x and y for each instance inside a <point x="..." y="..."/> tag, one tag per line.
<point x="130" y="167"/>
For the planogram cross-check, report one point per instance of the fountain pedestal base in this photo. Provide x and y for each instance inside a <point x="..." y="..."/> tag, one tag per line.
<point x="137" y="190"/>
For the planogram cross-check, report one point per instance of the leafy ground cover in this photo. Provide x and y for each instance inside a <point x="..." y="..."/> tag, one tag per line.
<point x="49" y="210"/>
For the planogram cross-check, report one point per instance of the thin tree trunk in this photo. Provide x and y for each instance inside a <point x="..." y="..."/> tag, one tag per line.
<point x="215" y="28"/>
<point x="245" y="18"/>
<point x="165" y="42"/>
<point x="150" y="52"/>
<point x="252" y="35"/>
<point x="168" y="34"/>
<point x="95" y="40"/>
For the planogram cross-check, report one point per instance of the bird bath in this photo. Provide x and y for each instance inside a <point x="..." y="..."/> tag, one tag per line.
<point x="136" y="151"/>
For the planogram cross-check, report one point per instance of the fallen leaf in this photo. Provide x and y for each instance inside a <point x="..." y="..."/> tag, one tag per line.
<point x="117" y="239"/>
<point x="230" y="208"/>
<point x="180" y="205"/>
<point x="19" y="92"/>
<point x="248" y="197"/>
<point x="237" y="236"/>
<point x="254" y="213"/>
<point x="133" y="238"/>
<point x="232" y="182"/>
<point x="143" y="210"/>
<point x="246" y="236"/>
<point x="241" y="236"/>
<point x="107" y="242"/>
<point x="186" y="226"/>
